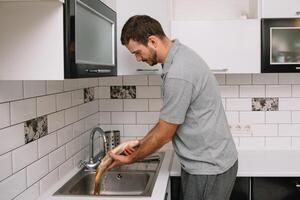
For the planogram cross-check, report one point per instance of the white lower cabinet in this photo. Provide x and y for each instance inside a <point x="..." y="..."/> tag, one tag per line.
<point x="228" y="46"/>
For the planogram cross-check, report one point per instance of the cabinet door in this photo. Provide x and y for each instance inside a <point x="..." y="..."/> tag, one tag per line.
<point x="241" y="189"/>
<point x="280" y="8"/>
<point x="158" y="9"/>
<point x="31" y="40"/>
<point x="275" y="188"/>
<point x="228" y="46"/>
<point x="176" y="193"/>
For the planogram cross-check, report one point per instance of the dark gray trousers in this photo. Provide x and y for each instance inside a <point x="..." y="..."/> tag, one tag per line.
<point x="208" y="187"/>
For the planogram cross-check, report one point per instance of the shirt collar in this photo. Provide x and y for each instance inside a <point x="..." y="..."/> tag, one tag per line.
<point x="171" y="53"/>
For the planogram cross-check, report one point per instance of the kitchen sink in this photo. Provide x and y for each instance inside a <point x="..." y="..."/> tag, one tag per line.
<point x="137" y="179"/>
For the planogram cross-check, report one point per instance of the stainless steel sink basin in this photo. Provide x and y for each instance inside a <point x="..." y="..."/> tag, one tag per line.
<point x="132" y="180"/>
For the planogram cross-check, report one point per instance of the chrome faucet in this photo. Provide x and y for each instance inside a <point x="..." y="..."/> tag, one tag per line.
<point x="94" y="161"/>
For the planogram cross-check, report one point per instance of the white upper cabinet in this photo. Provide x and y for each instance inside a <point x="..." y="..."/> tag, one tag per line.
<point x="280" y="8"/>
<point x="31" y="40"/>
<point x="226" y="34"/>
<point x="227" y="46"/>
<point x="158" y="9"/>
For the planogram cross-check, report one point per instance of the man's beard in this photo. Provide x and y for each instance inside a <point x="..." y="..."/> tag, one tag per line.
<point x="153" y="58"/>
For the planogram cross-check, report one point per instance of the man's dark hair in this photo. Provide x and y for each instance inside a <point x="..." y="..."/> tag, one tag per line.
<point x="139" y="28"/>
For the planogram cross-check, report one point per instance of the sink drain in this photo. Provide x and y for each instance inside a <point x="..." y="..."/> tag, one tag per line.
<point x="118" y="177"/>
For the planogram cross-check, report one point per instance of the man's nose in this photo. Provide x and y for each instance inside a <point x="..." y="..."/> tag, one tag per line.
<point x="138" y="58"/>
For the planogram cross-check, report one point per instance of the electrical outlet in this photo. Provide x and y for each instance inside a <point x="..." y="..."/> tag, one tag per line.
<point x="243" y="129"/>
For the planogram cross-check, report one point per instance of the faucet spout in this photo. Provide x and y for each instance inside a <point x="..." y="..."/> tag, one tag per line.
<point x="94" y="161"/>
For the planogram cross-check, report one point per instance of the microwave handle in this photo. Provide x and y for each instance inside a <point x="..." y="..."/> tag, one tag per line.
<point x="147" y="70"/>
<point x="219" y="70"/>
<point x="98" y="71"/>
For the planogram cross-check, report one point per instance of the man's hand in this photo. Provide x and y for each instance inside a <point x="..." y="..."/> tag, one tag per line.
<point x="120" y="159"/>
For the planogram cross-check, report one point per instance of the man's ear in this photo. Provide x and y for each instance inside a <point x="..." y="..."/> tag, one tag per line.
<point x="153" y="41"/>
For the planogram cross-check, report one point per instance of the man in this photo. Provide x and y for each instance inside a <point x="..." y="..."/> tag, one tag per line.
<point x="192" y="115"/>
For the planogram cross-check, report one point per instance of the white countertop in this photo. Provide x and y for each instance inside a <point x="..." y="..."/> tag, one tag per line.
<point x="158" y="192"/>
<point x="264" y="163"/>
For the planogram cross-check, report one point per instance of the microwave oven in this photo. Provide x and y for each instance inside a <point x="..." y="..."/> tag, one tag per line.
<point x="89" y="39"/>
<point x="280" y="45"/>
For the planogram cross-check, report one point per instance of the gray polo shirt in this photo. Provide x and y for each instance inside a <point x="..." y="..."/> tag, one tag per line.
<point x="191" y="99"/>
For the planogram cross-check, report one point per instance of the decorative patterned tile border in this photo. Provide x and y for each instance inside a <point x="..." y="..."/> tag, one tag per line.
<point x="35" y="128"/>
<point x="89" y="94"/>
<point x="265" y="104"/>
<point x="122" y="92"/>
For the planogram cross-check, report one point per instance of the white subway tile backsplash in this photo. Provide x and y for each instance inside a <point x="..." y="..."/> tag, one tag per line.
<point x="145" y="92"/>
<point x="238" y="79"/>
<point x="46" y="105"/>
<point x="4" y="115"/>
<point x="229" y="91"/>
<point x="278" y="91"/>
<point x="289" y="104"/>
<point x="48" y="181"/>
<point x="34" y="88"/>
<point x="71" y="84"/>
<point x="278" y="142"/>
<point x="278" y="117"/>
<point x="47" y="144"/>
<point x="238" y="104"/>
<point x="84" y="139"/>
<point x="155" y="104"/>
<point x="104" y="92"/>
<point x="108" y="81"/>
<point x="289" y="130"/>
<point x="135" y="80"/>
<point x="77" y="97"/>
<point x="10" y="90"/>
<point x="63" y="100"/>
<point x="147" y="117"/>
<point x="154" y="80"/>
<point x="30" y="193"/>
<point x="123" y="117"/>
<point x="289" y="78"/>
<point x="296" y="90"/>
<point x="71" y="115"/>
<point x="37" y="170"/>
<point x="221" y="78"/>
<point x="252" y="91"/>
<point x="111" y="105"/>
<point x="252" y="143"/>
<point x="232" y="117"/>
<point x="135" y="130"/>
<point x="73" y="147"/>
<point x="64" y="135"/>
<point x="296" y="117"/>
<point x="6" y="166"/>
<point x="14" y="185"/>
<point x="22" y="110"/>
<point x="296" y="143"/>
<point x="56" y="121"/>
<point x="24" y="155"/>
<point x="87" y="82"/>
<point x="104" y="118"/>
<point x="65" y="167"/>
<point x="54" y="87"/>
<point x="12" y="138"/>
<point x="135" y="104"/>
<point x="265" y="130"/>
<point x="252" y="117"/>
<point x="265" y="78"/>
<point x="57" y="157"/>
<point x="78" y="128"/>
<point x="91" y="121"/>
<point x="87" y="109"/>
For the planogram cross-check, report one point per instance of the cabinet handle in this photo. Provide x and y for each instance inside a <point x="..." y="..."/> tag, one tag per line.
<point x="297" y="185"/>
<point x="147" y="70"/>
<point x="298" y="13"/>
<point x="98" y="71"/>
<point x="219" y="70"/>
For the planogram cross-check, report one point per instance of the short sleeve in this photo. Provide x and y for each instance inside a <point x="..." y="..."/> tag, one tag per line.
<point x="177" y="96"/>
